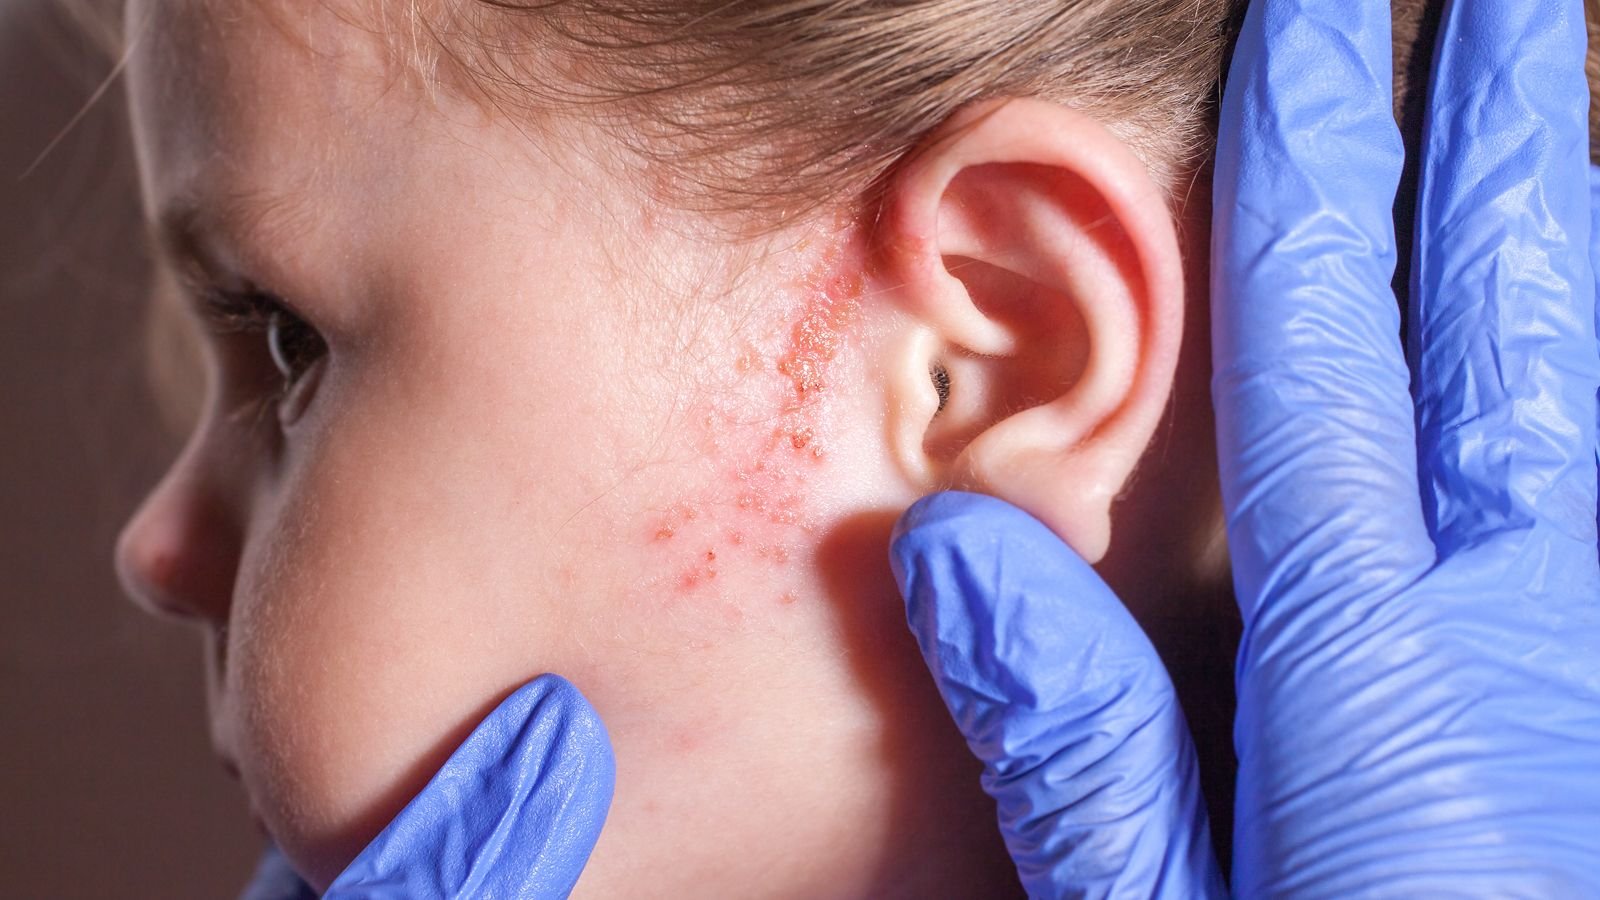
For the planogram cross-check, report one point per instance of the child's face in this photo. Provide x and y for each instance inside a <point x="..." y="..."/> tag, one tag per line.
<point x="542" y="431"/>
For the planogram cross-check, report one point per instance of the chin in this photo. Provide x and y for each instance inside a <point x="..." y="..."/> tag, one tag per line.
<point x="317" y="861"/>
<point x="308" y="828"/>
<point x="322" y="829"/>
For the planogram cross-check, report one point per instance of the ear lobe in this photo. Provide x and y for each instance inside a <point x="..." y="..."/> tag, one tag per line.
<point x="1040" y="264"/>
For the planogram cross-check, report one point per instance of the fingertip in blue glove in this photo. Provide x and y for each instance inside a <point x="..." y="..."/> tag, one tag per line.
<point x="514" y="812"/>
<point x="1062" y="697"/>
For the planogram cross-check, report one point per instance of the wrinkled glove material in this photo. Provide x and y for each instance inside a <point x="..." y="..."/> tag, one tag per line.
<point x="1413" y="529"/>
<point x="1063" y="699"/>
<point x="513" y="813"/>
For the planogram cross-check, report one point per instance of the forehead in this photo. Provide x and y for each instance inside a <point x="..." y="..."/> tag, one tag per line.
<point x="295" y="130"/>
<point x="252" y="110"/>
<point x="358" y="34"/>
<point x="213" y="81"/>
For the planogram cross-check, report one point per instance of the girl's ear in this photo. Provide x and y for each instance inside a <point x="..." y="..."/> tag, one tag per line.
<point x="1039" y="265"/>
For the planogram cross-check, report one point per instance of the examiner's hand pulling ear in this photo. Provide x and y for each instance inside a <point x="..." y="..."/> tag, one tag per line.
<point x="1414" y="551"/>
<point x="1062" y="698"/>
<point x="1414" y="548"/>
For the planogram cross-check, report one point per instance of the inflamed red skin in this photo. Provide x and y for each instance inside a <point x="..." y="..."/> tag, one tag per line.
<point x="757" y="509"/>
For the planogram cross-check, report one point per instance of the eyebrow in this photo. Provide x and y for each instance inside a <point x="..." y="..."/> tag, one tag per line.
<point x="188" y="227"/>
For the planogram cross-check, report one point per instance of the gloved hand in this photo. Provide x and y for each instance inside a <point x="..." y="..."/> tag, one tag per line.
<point x="514" y="811"/>
<point x="1415" y="551"/>
<point x="1063" y="699"/>
<point x="1420" y="670"/>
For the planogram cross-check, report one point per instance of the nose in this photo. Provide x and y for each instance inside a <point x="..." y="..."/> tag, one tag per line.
<point x="178" y="555"/>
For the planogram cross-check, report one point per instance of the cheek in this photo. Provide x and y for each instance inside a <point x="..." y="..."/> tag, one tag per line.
<point x="375" y="625"/>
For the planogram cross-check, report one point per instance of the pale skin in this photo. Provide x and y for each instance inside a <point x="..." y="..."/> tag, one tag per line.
<point x="548" y="424"/>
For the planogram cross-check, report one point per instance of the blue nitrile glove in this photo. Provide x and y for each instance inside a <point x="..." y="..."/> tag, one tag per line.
<point x="1063" y="699"/>
<point x="1415" y="551"/>
<point x="514" y="811"/>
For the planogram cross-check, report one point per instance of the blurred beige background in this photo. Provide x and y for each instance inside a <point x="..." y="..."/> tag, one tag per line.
<point x="107" y="785"/>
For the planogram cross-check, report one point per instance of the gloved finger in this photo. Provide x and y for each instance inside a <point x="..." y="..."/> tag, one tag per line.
<point x="1063" y="699"/>
<point x="1314" y="418"/>
<point x="514" y="812"/>
<point x="1503" y="333"/>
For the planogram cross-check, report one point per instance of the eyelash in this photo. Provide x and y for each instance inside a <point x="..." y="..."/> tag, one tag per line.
<point x="253" y="312"/>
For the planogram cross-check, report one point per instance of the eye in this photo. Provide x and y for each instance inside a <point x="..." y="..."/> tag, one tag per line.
<point x="291" y="343"/>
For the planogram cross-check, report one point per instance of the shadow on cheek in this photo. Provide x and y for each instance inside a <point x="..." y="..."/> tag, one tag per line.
<point x="853" y="562"/>
<point x="932" y="778"/>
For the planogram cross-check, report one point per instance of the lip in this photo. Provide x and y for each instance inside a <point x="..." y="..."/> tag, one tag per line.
<point x="232" y="768"/>
<point x="220" y="744"/>
<point x="260" y="825"/>
<point x="216" y="674"/>
<point x="219" y="645"/>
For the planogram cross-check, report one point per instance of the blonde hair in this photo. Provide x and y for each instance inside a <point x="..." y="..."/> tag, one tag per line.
<point x="777" y="105"/>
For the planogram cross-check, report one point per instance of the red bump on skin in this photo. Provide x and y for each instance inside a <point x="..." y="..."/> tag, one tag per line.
<point x="774" y="552"/>
<point x="672" y="520"/>
<point x="788" y="599"/>
<point x="687" y="740"/>
<point x="696" y="574"/>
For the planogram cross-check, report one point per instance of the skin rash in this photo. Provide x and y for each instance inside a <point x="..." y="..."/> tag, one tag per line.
<point x="756" y="512"/>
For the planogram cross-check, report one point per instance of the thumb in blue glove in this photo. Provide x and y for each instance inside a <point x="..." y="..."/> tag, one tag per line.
<point x="1062" y="697"/>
